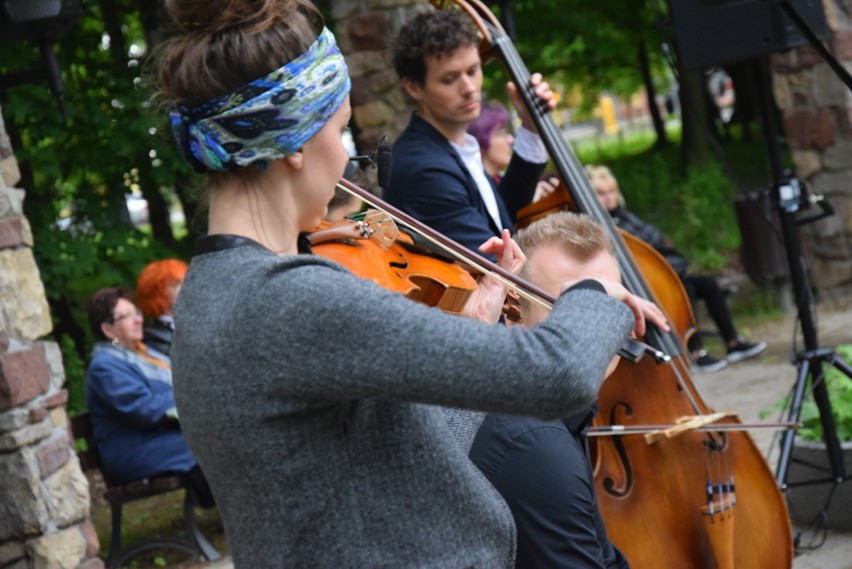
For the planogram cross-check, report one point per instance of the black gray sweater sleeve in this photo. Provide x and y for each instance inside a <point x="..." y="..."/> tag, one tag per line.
<point x="326" y="334"/>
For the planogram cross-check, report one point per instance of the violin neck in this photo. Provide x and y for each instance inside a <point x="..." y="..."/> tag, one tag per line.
<point x="475" y="260"/>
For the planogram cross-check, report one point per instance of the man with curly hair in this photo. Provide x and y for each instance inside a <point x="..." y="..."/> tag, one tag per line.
<point x="437" y="173"/>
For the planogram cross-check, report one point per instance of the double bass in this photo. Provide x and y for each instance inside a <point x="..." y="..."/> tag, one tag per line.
<point x="696" y="500"/>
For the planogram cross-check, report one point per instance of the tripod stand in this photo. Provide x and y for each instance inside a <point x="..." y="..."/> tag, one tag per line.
<point x="789" y="197"/>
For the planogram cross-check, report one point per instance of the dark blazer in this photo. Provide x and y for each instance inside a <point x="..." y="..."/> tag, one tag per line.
<point x="430" y="182"/>
<point x="158" y="336"/>
<point x="542" y="470"/>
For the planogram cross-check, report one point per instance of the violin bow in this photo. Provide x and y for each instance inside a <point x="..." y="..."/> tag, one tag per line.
<point x="632" y="350"/>
<point x="654" y="433"/>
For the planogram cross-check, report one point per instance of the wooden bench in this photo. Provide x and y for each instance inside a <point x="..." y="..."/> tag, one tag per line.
<point x="119" y="494"/>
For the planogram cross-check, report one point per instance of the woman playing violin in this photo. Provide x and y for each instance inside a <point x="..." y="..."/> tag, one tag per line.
<point x="309" y="395"/>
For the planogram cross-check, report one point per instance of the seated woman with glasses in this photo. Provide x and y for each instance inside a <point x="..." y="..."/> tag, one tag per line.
<point x="129" y="397"/>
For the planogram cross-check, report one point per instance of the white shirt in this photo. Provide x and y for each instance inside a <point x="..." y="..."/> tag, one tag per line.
<point x="472" y="158"/>
<point x="528" y="145"/>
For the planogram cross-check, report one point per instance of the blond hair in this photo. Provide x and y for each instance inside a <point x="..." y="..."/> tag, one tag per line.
<point x="577" y="234"/>
<point x="599" y="174"/>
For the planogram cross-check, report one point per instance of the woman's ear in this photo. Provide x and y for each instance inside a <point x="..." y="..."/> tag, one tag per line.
<point x="296" y="159"/>
<point x="107" y="331"/>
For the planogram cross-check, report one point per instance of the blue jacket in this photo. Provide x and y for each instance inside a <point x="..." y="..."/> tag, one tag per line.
<point x="430" y="182"/>
<point x="127" y="398"/>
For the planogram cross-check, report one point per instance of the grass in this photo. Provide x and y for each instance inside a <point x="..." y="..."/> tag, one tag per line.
<point x="155" y="516"/>
<point x="605" y="149"/>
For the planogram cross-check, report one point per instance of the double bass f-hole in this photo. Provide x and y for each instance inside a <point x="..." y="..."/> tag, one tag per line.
<point x="619" y="488"/>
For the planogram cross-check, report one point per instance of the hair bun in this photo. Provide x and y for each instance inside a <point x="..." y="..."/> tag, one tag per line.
<point x="222" y="45"/>
<point x="213" y="16"/>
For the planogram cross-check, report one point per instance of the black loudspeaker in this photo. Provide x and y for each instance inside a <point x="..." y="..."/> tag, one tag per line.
<point x="34" y="20"/>
<point x="762" y="250"/>
<point x="718" y="32"/>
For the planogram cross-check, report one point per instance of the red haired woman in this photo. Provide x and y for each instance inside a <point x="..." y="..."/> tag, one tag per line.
<point x="156" y="291"/>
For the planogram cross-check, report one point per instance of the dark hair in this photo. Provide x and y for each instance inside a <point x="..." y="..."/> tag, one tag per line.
<point x="222" y="45"/>
<point x="492" y="117"/>
<point x="430" y="34"/>
<point x="100" y="308"/>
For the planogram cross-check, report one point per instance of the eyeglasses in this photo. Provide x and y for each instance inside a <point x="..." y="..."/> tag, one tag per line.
<point x="135" y="314"/>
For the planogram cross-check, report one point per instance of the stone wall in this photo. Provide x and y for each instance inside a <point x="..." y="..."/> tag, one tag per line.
<point x="44" y="496"/>
<point x="817" y="113"/>
<point x="364" y="30"/>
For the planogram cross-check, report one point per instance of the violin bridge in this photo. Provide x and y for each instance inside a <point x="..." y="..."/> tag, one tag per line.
<point x="381" y="227"/>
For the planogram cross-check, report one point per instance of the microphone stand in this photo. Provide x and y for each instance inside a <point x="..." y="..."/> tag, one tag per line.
<point x="789" y="197"/>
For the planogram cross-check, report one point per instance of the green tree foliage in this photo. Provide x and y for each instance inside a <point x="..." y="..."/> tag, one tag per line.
<point x="590" y="44"/>
<point x="77" y="171"/>
<point x="694" y="208"/>
<point x="840" y="394"/>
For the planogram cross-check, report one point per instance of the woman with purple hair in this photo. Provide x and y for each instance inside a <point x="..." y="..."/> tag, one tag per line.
<point x="491" y="131"/>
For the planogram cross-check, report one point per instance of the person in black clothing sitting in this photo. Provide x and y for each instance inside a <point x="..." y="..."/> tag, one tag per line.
<point x="542" y="468"/>
<point x="704" y="287"/>
<point x="156" y="291"/>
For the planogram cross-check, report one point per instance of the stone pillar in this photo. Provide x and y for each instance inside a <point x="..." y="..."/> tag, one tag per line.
<point x="817" y="114"/>
<point x="364" y="30"/>
<point x="44" y="496"/>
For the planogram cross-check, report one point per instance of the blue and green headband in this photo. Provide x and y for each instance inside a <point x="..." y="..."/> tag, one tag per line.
<point x="269" y="118"/>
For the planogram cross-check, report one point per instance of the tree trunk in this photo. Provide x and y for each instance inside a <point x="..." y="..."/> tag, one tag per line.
<point x="651" y="91"/>
<point x="695" y="148"/>
<point x="159" y="213"/>
<point x="66" y="325"/>
<point x="117" y="45"/>
<point x="184" y="188"/>
<point x="158" y="208"/>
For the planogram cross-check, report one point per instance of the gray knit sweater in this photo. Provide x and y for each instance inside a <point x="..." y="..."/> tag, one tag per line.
<point x="310" y="397"/>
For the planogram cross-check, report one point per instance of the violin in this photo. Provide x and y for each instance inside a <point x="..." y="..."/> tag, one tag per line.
<point x="703" y="497"/>
<point x="373" y="248"/>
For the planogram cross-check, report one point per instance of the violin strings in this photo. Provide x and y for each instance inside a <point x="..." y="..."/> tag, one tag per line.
<point x="455" y="254"/>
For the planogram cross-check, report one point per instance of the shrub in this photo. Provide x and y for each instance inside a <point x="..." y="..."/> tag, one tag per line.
<point x="696" y="209"/>
<point x="839" y="389"/>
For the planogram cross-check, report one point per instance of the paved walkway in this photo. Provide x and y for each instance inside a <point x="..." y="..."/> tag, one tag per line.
<point x="753" y="386"/>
